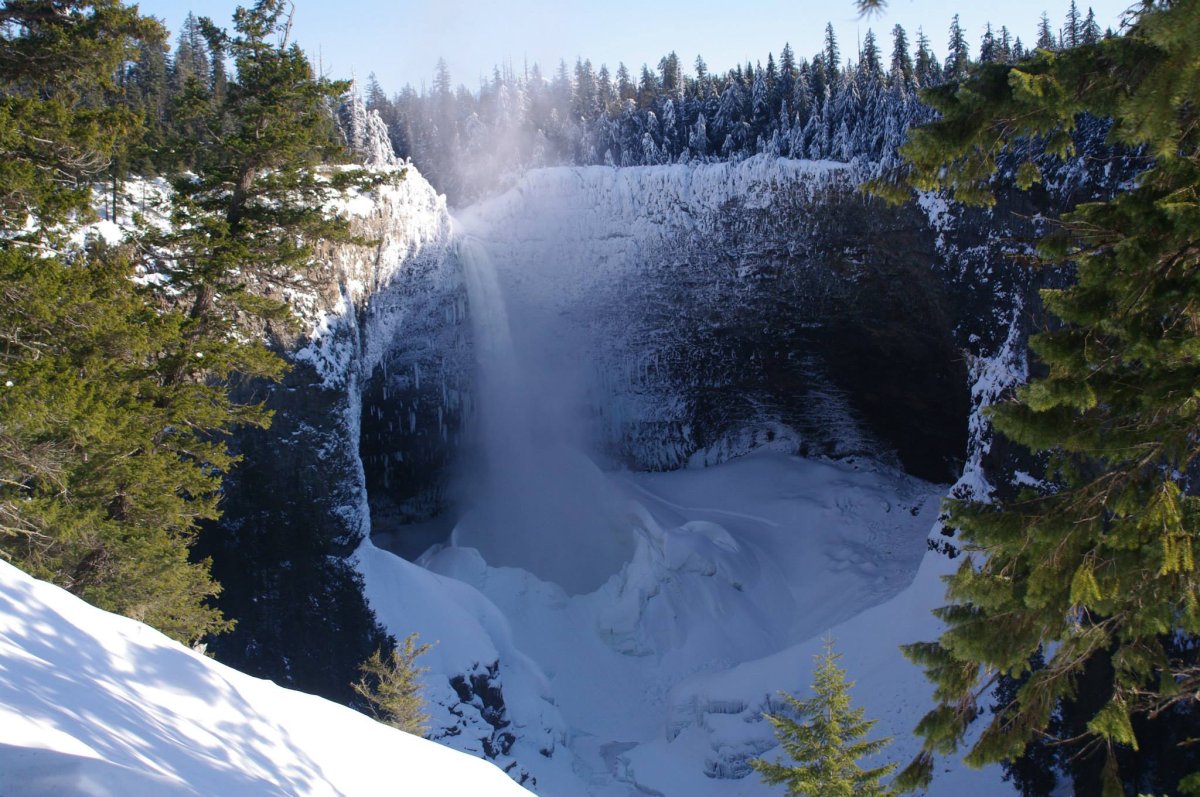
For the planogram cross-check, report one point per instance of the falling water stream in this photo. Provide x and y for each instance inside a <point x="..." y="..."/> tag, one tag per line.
<point x="535" y="500"/>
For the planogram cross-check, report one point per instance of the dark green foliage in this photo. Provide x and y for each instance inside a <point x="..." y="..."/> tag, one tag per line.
<point x="104" y="469"/>
<point x="106" y="463"/>
<point x="1099" y="567"/>
<point x="826" y="741"/>
<point x="57" y="132"/>
<point x="391" y="689"/>
<point x="1031" y="773"/>
<point x="245" y="220"/>
<point x="122" y="392"/>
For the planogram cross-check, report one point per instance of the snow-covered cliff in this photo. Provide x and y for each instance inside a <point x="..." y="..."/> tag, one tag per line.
<point x="664" y="316"/>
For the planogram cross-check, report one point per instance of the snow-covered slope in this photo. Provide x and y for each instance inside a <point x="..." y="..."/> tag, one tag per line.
<point x="95" y="704"/>
<point x="656" y="682"/>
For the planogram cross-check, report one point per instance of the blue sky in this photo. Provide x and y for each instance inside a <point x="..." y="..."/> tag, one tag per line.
<point x="401" y="41"/>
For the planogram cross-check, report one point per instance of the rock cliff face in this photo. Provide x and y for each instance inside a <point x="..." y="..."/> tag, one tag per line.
<point x="729" y="305"/>
<point x="696" y="313"/>
<point x="296" y="507"/>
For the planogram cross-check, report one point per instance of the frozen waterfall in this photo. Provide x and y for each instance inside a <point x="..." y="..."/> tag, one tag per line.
<point x="534" y="499"/>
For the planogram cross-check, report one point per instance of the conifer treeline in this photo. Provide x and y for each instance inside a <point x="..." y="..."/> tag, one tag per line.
<point x="824" y="107"/>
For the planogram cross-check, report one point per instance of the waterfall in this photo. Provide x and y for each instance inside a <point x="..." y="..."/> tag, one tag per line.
<point x="534" y="500"/>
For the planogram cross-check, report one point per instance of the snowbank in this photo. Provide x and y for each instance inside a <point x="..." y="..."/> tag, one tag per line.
<point x="656" y="682"/>
<point x="96" y="704"/>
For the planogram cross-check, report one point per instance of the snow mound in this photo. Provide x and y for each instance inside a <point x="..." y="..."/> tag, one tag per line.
<point x="656" y="682"/>
<point x="96" y="704"/>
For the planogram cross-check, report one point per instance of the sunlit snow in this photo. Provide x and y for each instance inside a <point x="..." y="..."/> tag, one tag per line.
<point x="99" y="705"/>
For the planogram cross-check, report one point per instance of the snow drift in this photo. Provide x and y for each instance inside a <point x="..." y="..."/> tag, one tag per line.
<point x="96" y="704"/>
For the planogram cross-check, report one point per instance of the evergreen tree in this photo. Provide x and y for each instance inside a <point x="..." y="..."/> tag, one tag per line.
<point x="57" y="132"/>
<point x="587" y="98"/>
<point x="698" y="137"/>
<point x="106" y="461"/>
<point x="826" y="740"/>
<point x="1045" y="39"/>
<point x="671" y="69"/>
<point x="1072" y="34"/>
<point x="832" y="56"/>
<point x="958" y="54"/>
<point x="245" y="221"/>
<point x="105" y="464"/>
<point x="148" y="90"/>
<point x="902" y="71"/>
<point x="729" y="112"/>
<point x="606" y="92"/>
<point x="391" y="687"/>
<point x="218" y="81"/>
<point x="191" y="56"/>
<point x="989" y="51"/>
<point x="1097" y="568"/>
<point x="443" y="86"/>
<point x="1004" y="46"/>
<point x="625" y="87"/>
<point x="774" y="97"/>
<point x="870" y="63"/>
<point x="1018" y="51"/>
<point x="1090" y="31"/>
<point x="925" y="66"/>
<point x="788" y="73"/>
<point x="648" y="88"/>
<point x="760" y="107"/>
<point x="376" y="99"/>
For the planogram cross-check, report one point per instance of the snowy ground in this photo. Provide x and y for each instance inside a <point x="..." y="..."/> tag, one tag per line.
<point x="99" y="705"/>
<point x="656" y="682"/>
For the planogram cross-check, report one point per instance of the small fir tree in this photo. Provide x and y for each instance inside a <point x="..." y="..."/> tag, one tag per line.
<point x="826" y="741"/>
<point x="391" y="687"/>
